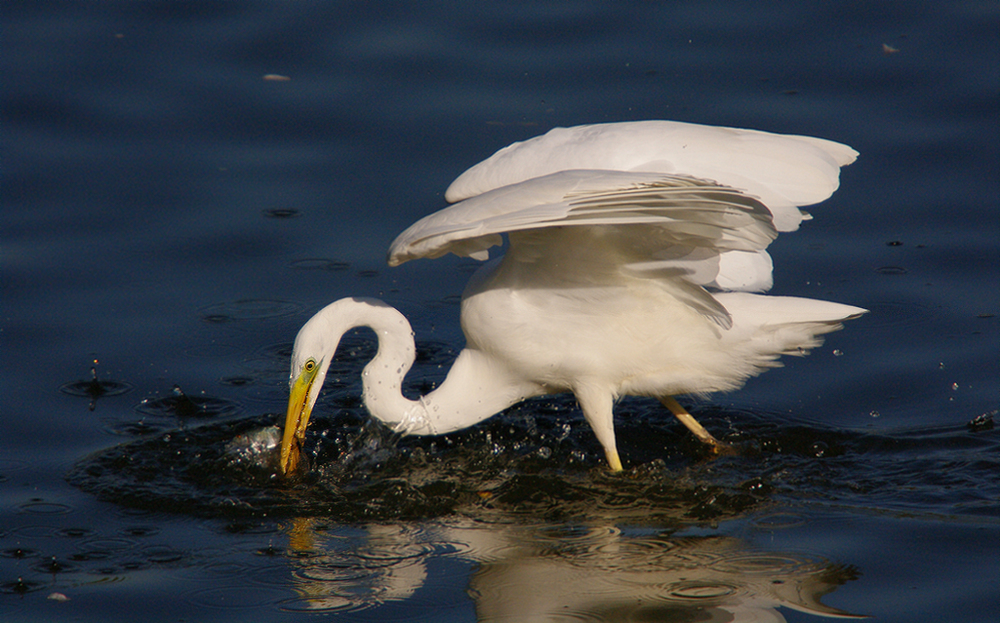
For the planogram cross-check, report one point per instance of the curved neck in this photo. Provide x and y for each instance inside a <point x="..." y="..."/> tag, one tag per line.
<point x="475" y="388"/>
<point x="382" y="378"/>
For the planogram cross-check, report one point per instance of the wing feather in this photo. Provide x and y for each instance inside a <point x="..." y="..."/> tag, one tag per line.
<point x="692" y="205"/>
<point x="783" y="171"/>
<point x="664" y="209"/>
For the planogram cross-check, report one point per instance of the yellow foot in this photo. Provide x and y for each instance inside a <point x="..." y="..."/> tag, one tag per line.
<point x="613" y="461"/>
<point x="719" y="448"/>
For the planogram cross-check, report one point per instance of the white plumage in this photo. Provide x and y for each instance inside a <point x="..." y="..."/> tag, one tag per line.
<point x="635" y="251"/>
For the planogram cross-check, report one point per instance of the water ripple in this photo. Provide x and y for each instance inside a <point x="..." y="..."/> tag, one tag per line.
<point x="239" y="597"/>
<point x="364" y="472"/>
<point x="249" y="309"/>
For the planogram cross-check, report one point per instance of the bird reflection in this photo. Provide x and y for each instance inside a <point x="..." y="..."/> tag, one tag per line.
<point x="541" y="573"/>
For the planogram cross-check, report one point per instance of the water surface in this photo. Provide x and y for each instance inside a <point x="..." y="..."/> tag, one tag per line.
<point x="184" y="183"/>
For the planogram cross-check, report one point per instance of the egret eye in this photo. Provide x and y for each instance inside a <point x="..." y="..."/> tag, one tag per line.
<point x="310" y="365"/>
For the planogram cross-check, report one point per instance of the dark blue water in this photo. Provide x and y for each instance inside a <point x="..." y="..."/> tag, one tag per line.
<point x="184" y="183"/>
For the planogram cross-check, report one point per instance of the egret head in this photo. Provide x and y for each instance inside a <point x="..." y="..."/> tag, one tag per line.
<point x="314" y="348"/>
<point x="305" y="384"/>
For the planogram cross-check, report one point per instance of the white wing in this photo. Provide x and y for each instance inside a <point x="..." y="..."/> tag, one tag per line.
<point x="655" y="198"/>
<point x="783" y="171"/>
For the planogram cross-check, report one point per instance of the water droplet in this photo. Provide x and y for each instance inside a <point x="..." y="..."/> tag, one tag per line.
<point x="268" y="551"/>
<point x="755" y="485"/>
<point x="954" y="386"/>
<point x="52" y="566"/>
<point x="874" y="414"/>
<point x="837" y="352"/>
<point x="19" y="588"/>
<point x="982" y="422"/>
<point x="564" y="432"/>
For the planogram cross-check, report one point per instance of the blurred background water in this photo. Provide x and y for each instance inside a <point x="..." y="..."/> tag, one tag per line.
<point x="184" y="183"/>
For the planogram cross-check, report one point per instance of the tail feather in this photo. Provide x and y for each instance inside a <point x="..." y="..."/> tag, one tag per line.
<point x="781" y="325"/>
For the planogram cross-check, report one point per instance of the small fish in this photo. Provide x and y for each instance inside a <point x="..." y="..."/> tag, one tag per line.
<point x="256" y="448"/>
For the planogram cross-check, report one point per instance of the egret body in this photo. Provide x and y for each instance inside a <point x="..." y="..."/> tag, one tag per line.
<point x="636" y="259"/>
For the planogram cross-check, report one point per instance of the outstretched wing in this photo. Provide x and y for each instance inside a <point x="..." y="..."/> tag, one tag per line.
<point x="652" y="213"/>
<point x="657" y="199"/>
<point x="783" y="171"/>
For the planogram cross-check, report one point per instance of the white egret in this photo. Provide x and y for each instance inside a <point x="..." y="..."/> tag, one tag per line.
<point x="635" y="260"/>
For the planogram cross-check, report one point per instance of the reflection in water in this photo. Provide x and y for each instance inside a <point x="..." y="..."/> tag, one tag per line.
<point x="333" y="574"/>
<point x="541" y="535"/>
<point x="544" y="573"/>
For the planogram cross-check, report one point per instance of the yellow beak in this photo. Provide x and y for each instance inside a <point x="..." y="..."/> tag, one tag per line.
<point x="296" y="422"/>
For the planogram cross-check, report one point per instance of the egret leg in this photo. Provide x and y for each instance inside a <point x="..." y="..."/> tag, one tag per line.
<point x="614" y="462"/>
<point x="598" y="410"/>
<point x="692" y="425"/>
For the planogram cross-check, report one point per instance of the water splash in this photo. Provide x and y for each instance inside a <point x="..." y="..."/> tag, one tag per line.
<point x="95" y="388"/>
<point x="363" y="472"/>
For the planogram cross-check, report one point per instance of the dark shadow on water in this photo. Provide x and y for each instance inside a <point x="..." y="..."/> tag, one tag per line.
<point x="539" y="462"/>
<point x="538" y="467"/>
